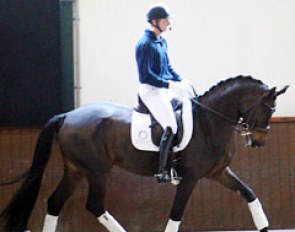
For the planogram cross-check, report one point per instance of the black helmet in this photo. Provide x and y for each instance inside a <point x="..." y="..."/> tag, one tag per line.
<point x="157" y="12"/>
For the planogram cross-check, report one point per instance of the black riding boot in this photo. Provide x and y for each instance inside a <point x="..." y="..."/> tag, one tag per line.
<point x="163" y="176"/>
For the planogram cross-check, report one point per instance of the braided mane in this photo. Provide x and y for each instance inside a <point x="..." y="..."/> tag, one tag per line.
<point x="230" y="80"/>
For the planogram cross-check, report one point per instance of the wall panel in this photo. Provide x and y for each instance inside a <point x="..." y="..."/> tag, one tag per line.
<point x="36" y="61"/>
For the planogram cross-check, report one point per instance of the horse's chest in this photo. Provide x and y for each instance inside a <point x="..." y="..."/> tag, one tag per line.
<point x="221" y="163"/>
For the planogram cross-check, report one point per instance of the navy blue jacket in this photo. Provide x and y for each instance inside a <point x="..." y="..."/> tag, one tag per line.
<point x="152" y="61"/>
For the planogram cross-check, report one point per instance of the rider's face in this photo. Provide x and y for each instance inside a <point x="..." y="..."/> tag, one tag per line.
<point x="164" y="24"/>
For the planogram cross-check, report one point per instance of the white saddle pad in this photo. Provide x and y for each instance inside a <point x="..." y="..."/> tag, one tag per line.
<point x="141" y="135"/>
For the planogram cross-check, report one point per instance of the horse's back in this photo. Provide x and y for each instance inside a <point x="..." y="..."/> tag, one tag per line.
<point x="94" y="114"/>
<point x="86" y="122"/>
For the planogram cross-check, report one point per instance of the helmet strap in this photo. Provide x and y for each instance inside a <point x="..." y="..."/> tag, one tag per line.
<point x="157" y="26"/>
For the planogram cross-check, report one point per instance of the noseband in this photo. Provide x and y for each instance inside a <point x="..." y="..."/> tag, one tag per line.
<point x="252" y="115"/>
<point x="243" y="126"/>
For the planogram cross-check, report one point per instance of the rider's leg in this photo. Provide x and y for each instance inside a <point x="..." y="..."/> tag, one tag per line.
<point x="165" y="147"/>
<point x="158" y="101"/>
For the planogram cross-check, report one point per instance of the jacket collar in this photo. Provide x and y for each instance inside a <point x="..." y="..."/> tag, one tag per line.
<point x="152" y="36"/>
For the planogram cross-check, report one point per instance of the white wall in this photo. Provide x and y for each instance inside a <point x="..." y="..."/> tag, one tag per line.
<point x="211" y="40"/>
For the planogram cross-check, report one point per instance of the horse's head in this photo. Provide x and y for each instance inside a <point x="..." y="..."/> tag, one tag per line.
<point x="256" y="110"/>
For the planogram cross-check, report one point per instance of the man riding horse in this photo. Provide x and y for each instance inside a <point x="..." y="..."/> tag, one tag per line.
<point x="158" y="80"/>
<point x="95" y="138"/>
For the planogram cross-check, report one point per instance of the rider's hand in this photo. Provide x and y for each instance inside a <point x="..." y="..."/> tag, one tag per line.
<point x="190" y="88"/>
<point x="178" y="88"/>
<point x="173" y="85"/>
<point x="182" y="88"/>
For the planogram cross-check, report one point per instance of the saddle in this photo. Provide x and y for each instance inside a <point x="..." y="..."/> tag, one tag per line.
<point x="146" y="132"/>
<point x="156" y="129"/>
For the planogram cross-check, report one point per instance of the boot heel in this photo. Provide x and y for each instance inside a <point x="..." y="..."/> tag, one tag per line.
<point x="163" y="177"/>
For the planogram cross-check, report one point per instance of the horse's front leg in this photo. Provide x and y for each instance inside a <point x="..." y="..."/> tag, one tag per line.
<point x="183" y="192"/>
<point x="230" y="180"/>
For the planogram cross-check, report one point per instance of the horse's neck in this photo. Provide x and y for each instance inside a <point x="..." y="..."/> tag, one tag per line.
<point x="217" y="128"/>
<point x="225" y="103"/>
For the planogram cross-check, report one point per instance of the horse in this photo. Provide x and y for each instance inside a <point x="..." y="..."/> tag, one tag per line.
<point x="94" y="138"/>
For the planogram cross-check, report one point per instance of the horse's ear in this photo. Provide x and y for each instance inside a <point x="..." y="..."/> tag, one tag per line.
<point x="271" y="93"/>
<point x="283" y="90"/>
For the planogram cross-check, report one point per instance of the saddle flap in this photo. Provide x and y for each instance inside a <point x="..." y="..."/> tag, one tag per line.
<point x="144" y="129"/>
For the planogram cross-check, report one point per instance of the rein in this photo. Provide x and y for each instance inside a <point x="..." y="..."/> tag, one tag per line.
<point x="245" y="126"/>
<point x="226" y="118"/>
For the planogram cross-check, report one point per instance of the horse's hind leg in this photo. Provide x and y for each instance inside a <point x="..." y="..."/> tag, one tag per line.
<point x="64" y="190"/>
<point x="233" y="182"/>
<point x="95" y="201"/>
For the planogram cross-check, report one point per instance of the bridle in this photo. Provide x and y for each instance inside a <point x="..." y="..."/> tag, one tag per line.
<point x="252" y="114"/>
<point x="243" y="126"/>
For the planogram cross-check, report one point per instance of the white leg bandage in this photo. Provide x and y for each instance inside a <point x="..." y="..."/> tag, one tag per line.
<point x="259" y="218"/>
<point x="109" y="222"/>
<point x="50" y="223"/>
<point x="172" y="226"/>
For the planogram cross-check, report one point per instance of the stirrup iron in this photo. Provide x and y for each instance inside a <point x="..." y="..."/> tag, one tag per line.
<point x="175" y="179"/>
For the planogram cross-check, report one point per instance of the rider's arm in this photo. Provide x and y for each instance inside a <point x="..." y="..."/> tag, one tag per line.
<point x="146" y="59"/>
<point x="176" y="77"/>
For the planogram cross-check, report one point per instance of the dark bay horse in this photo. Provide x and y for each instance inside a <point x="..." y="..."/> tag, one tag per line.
<point x="94" y="138"/>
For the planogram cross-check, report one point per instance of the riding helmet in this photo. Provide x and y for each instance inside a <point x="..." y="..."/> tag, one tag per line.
<point x="157" y="12"/>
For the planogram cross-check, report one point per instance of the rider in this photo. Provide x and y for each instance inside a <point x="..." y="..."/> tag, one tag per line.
<point x="157" y="78"/>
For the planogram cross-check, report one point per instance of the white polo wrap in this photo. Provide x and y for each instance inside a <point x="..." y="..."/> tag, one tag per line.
<point x="109" y="222"/>
<point x="50" y="223"/>
<point x="172" y="226"/>
<point x="259" y="217"/>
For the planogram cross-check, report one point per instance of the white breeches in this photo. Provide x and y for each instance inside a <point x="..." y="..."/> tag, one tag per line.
<point x="158" y="101"/>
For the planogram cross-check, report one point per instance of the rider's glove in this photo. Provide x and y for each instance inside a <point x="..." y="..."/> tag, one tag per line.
<point x="182" y="88"/>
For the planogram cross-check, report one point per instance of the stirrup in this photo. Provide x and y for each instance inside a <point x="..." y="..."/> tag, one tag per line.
<point x="175" y="179"/>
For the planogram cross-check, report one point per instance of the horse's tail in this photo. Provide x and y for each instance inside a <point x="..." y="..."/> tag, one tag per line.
<point x="15" y="216"/>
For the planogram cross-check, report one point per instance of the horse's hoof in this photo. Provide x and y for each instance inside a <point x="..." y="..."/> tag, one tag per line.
<point x="264" y="229"/>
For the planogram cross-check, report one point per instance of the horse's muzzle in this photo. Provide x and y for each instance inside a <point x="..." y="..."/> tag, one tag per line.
<point x="258" y="138"/>
<point x="256" y="143"/>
